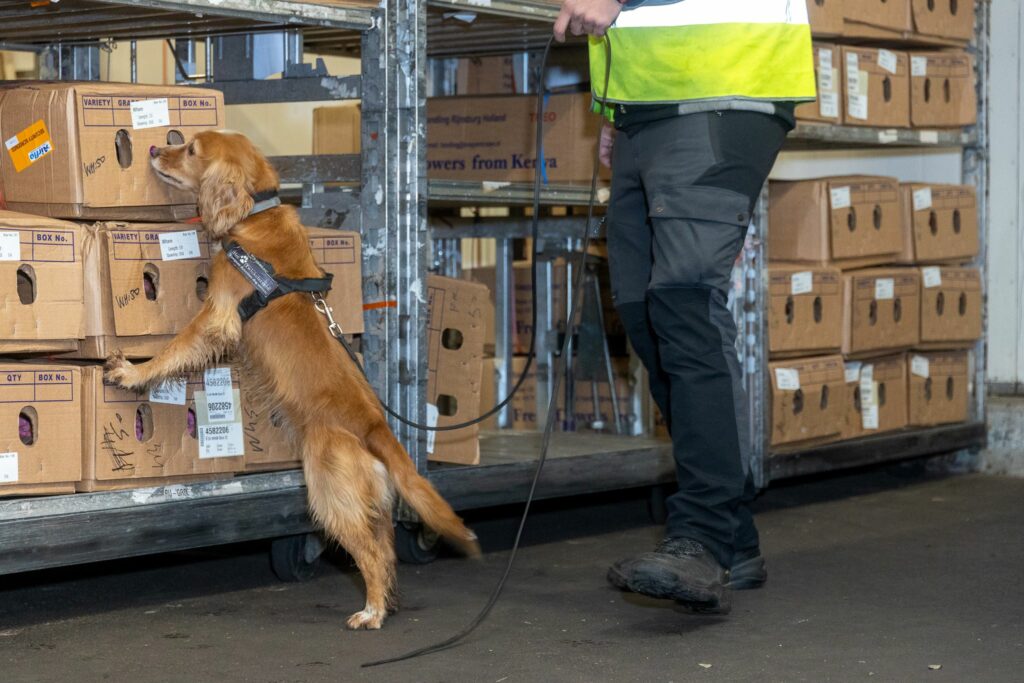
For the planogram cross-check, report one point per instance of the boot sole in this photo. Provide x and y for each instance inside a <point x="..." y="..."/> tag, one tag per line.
<point x="658" y="583"/>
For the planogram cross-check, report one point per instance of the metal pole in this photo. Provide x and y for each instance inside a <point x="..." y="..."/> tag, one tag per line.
<point x="504" y="306"/>
<point x="134" y="61"/>
<point x="755" y="340"/>
<point x="209" y="59"/>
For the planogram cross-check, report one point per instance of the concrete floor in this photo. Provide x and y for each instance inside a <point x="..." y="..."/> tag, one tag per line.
<point x="880" y="575"/>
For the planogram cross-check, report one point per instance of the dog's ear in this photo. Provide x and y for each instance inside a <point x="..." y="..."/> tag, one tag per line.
<point x="224" y="200"/>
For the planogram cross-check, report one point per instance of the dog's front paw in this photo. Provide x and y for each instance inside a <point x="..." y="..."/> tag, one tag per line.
<point x="120" y="371"/>
<point x="369" y="619"/>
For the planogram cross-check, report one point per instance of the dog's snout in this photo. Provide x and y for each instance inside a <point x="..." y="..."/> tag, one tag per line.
<point x="154" y="151"/>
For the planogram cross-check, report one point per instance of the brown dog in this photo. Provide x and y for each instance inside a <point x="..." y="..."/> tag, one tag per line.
<point x="350" y="457"/>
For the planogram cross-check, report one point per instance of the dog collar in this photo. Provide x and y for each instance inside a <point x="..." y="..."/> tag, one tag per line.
<point x="262" y="201"/>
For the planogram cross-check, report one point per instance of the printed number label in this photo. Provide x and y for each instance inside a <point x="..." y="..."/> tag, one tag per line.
<point x="10" y="246"/>
<point x="788" y="379"/>
<point x="802" y="283"/>
<point x="8" y="468"/>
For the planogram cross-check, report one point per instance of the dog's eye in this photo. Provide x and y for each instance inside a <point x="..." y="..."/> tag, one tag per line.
<point x="191" y="148"/>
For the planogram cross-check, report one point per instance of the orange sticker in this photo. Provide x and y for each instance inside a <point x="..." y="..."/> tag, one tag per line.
<point x="29" y="146"/>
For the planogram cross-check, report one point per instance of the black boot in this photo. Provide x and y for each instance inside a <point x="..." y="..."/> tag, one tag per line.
<point x="748" y="570"/>
<point x="679" y="569"/>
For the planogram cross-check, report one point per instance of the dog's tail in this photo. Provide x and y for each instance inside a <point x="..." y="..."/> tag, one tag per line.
<point x="419" y="493"/>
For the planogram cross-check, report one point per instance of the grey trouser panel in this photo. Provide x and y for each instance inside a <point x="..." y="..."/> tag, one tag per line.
<point x="683" y="189"/>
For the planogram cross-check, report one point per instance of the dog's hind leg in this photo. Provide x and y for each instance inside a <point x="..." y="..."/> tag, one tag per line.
<point x="351" y="499"/>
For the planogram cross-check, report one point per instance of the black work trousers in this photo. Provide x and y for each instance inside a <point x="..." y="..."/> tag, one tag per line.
<point x="683" y="189"/>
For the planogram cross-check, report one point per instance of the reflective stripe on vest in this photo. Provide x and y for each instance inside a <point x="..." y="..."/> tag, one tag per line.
<point x="706" y="50"/>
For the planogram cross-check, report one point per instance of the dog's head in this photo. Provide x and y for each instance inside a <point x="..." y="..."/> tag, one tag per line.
<point x="224" y="169"/>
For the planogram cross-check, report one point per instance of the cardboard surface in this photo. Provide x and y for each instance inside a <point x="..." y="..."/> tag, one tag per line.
<point x="848" y="221"/>
<point x="876" y="95"/>
<point x="805" y="310"/>
<point x="826" y="17"/>
<point x="886" y="14"/>
<point x="941" y="226"/>
<point x="268" y="444"/>
<point x="876" y="396"/>
<point x="454" y="366"/>
<point x="951" y="311"/>
<point x="953" y="19"/>
<point x="492" y="138"/>
<point x="881" y="310"/>
<point x="522" y="310"/>
<point x="942" y="396"/>
<point x="114" y="455"/>
<point x="942" y="93"/>
<point x="336" y="129"/>
<point x="816" y="409"/>
<point x="829" y="106"/>
<point x="41" y="284"/>
<point x="340" y="252"/>
<point x="493" y="75"/>
<point x="48" y="396"/>
<point x="64" y="138"/>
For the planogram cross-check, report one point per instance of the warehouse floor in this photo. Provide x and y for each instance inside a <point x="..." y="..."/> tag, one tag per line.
<point x="884" y="574"/>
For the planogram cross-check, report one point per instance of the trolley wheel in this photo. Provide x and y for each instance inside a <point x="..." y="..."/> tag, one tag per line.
<point x="416" y="544"/>
<point x="295" y="558"/>
<point x="657" y="507"/>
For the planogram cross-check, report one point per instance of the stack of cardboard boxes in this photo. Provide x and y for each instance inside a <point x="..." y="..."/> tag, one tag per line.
<point x="870" y="308"/>
<point x="81" y="275"/>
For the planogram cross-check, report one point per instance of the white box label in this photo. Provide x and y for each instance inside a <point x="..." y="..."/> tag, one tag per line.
<point x="150" y="113"/>
<point x="852" y="371"/>
<point x="852" y="73"/>
<point x="888" y="136"/>
<point x="170" y="391"/>
<point x="432" y="415"/>
<point x="802" y="283"/>
<point x="840" y="197"/>
<point x="868" y="395"/>
<point x="217" y="383"/>
<point x="932" y="277"/>
<point x="887" y="60"/>
<point x="788" y="379"/>
<point x="221" y="440"/>
<point x="918" y="66"/>
<point x="825" y="63"/>
<point x="919" y="366"/>
<point x="858" y="107"/>
<point x="923" y="199"/>
<point x="928" y="137"/>
<point x="10" y="246"/>
<point x="828" y="104"/>
<point x="175" y="246"/>
<point x="869" y="416"/>
<point x="885" y="288"/>
<point x="8" y="468"/>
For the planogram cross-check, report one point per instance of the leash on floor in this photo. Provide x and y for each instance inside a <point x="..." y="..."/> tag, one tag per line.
<point x="549" y="425"/>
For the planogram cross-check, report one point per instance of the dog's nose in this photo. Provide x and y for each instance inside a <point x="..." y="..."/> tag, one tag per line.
<point x="154" y="151"/>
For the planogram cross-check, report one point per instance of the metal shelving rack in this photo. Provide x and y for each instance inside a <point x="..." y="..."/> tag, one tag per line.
<point x="391" y="213"/>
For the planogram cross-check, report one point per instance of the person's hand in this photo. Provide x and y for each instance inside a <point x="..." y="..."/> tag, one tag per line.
<point x="606" y="143"/>
<point x="586" y="17"/>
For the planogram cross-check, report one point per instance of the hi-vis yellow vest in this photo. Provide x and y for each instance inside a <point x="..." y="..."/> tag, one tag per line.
<point x="707" y="50"/>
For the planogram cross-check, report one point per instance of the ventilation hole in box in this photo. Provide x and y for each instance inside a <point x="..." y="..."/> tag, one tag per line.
<point x="933" y="223"/>
<point x="927" y="90"/>
<point x="928" y="389"/>
<point x="887" y="89"/>
<point x="940" y="303"/>
<point x="190" y="422"/>
<point x="447" y="405"/>
<point x="954" y="6"/>
<point x="873" y="313"/>
<point x="151" y="281"/>
<point x="798" y="401"/>
<point x="789" y="310"/>
<point x="946" y="93"/>
<point x="876" y="217"/>
<point x="202" y="287"/>
<point x="123" y="148"/>
<point x="174" y="137"/>
<point x="897" y="310"/>
<point x="26" y="277"/>
<point x="817" y="309"/>
<point x="856" y="399"/>
<point x="451" y="339"/>
<point x="823" y="403"/>
<point x="956" y="221"/>
<point x="881" y="394"/>
<point x="931" y="5"/>
<point x="819" y="3"/>
<point x="962" y="308"/>
<point x="949" y="388"/>
<point x="276" y="418"/>
<point x="144" y="422"/>
<point x="851" y="219"/>
<point x="28" y="425"/>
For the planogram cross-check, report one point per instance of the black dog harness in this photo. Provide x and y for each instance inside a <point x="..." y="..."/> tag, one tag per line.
<point x="260" y="274"/>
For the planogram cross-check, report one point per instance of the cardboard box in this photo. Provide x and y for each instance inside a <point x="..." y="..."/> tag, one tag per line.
<point x="454" y="366"/>
<point x="881" y="310"/>
<point x="939" y="388"/>
<point x="877" y="87"/>
<point x="942" y="90"/>
<point x="808" y="401"/>
<point x="805" y="310"/>
<point x="826" y="17"/>
<point x="134" y="300"/>
<point x="893" y="15"/>
<point x="952" y="20"/>
<point x="340" y="252"/>
<point x="951" y="307"/>
<point x="876" y="396"/>
<point x="40" y="428"/>
<point x="522" y="311"/>
<point x="493" y="75"/>
<point x="41" y="292"/>
<point x="848" y="221"/>
<point x="493" y="138"/>
<point x="131" y="439"/>
<point x="336" y="129"/>
<point x="828" y="70"/>
<point x="81" y="150"/>
<point x="940" y="223"/>
<point x="268" y="441"/>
